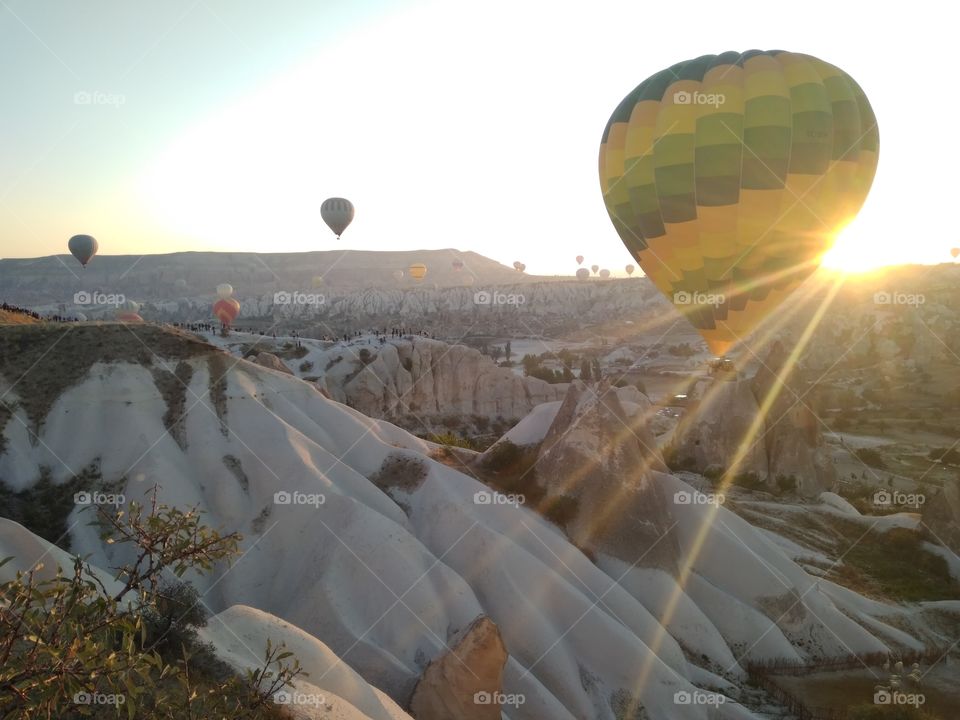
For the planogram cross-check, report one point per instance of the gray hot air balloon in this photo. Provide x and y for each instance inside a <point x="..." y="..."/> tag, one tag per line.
<point x="582" y="273"/>
<point x="337" y="213"/>
<point x="83" y="248"/>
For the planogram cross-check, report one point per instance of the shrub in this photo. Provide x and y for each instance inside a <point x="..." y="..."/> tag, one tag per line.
<point x="871" y="458"/>
<point x="67" y="635"/>
<point x="448" y="438"/>
<point x="786" y="483"/>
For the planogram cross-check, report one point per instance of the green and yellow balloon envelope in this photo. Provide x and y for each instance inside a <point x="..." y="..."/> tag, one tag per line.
<point x="727" y="177"/>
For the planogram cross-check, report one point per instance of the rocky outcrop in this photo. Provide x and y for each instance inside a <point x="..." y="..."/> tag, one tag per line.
<point x="724" y="432"/>
<point x="428" y="378"/>
<point x="711" y="434"/>
<point x="269" y="360"/>
<point x="605" y="463"/>
<point x="465" y="682"/>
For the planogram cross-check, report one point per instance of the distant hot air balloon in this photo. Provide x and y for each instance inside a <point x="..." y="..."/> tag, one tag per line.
<point x="129" y="311"/>
<point x="398" y="275"/>
<point x="457" y="265"/>
<point x="582" y="273"/>
<point x="83" y="248"/>
<point x="417" y="271"/>
<point x="516" y="265"/>
<point x="579" y="259"/>
<point x="226" y="311"/>
<point x="955" y="252"/>
<point x="337" y="213"/>
<point x="604" y="273"/>
<point x="224" y="290"/>
<point x="701" y="166"/>
<point x="629" y="269"/>
<point x="595" y="269"/>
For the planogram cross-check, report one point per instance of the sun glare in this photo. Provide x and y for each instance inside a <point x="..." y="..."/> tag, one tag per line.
<point x="856" y="251"/>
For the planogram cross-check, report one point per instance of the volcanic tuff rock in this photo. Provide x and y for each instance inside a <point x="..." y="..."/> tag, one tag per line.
<point x="269" y="360"/>
<point x="785" y="446"/>
<point x="607" y="462"/>
<point x="339" y="569"/>
<point x="458" y="682"/>
<point x="426" y="377"/>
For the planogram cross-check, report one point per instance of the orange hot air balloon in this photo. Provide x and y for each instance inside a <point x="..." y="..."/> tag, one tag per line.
<point x="955" y="252"/>
<point x="226" y="311"/>
<point x="418" y="271"/>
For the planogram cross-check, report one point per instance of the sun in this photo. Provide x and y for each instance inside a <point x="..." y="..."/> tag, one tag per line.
<point x="857" y="250"/>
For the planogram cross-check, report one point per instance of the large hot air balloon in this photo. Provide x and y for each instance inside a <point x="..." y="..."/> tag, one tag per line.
<point x="226" y="311"/>
<point x="224" y="290"/>
<point x="604" y="273"/>
<point x="629" y="269"/>
<point x="337" y="213"/>
<point x="582" y="273"/>
<point x="595" y="269"/>
<point x="457" y="265"/>
<point x="83" y="248"/>
<point x="728" y="176"/>
<point x="579" y="259"/>
<point x="418" y="271"/>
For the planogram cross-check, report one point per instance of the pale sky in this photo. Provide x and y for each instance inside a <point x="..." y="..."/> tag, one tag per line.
<point x="222" y="125"/>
